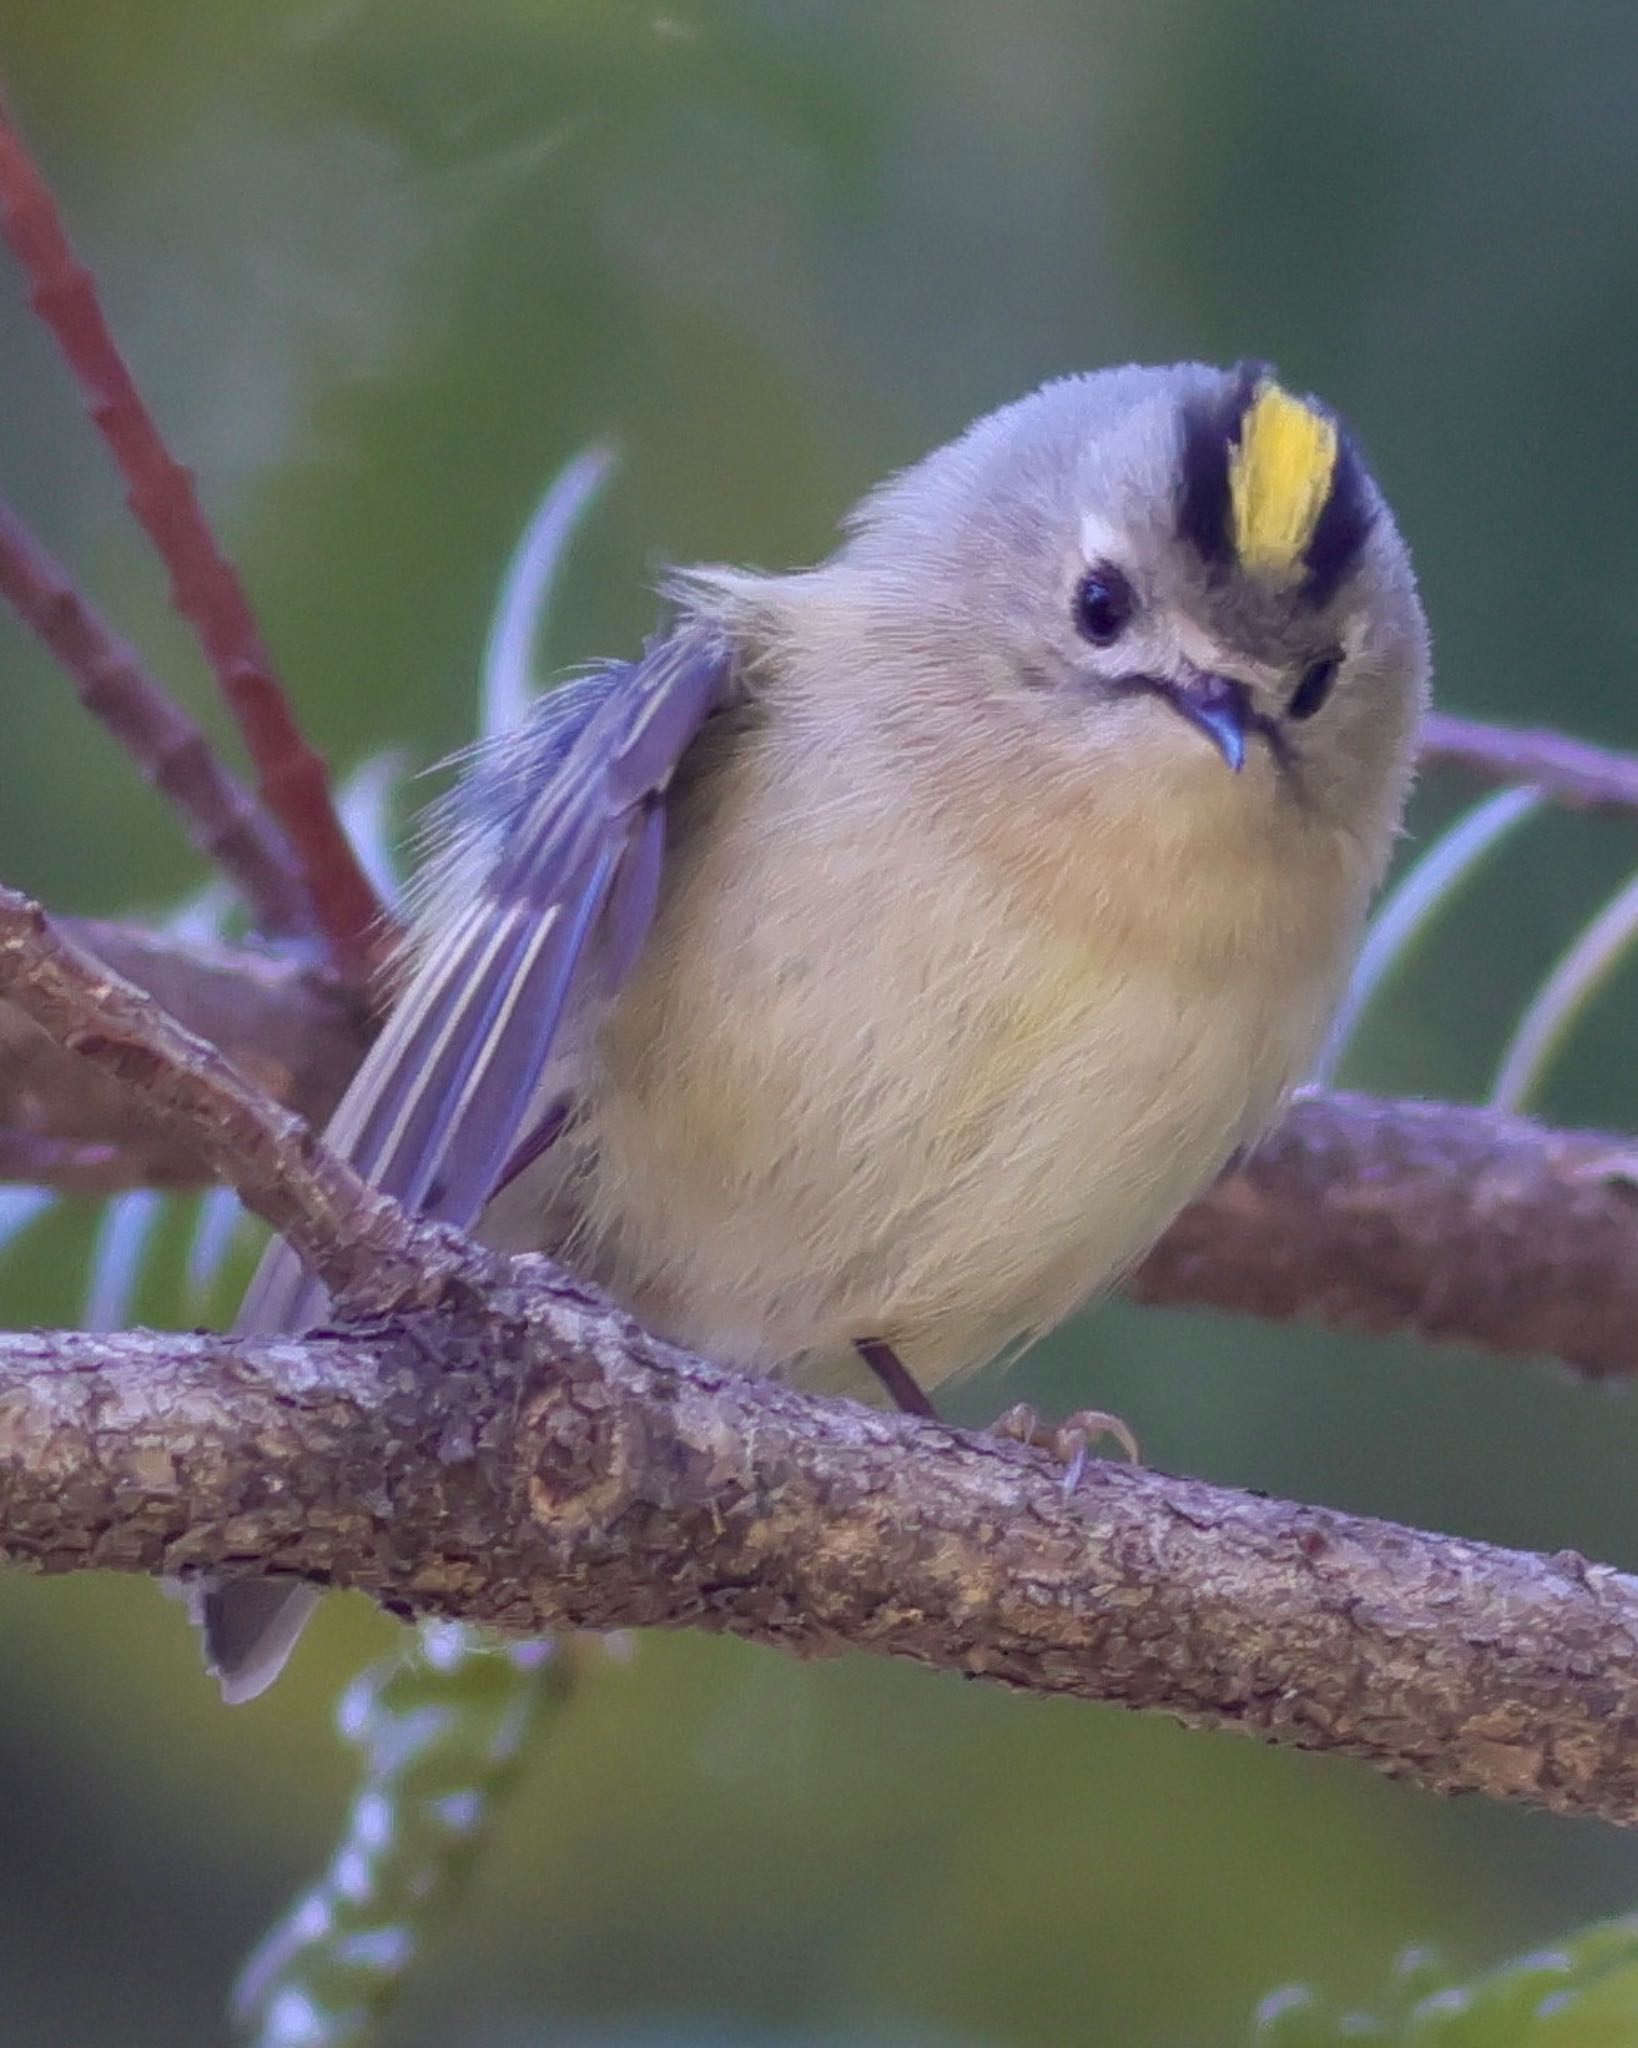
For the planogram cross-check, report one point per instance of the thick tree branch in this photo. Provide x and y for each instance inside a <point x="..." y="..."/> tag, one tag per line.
<point x="1451" y="1223"/>
<point x="1459" y="1225"/>
<point x="528" y="1458"/>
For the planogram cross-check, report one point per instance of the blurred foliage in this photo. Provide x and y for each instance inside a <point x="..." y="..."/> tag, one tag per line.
<point x="1581" y="1994"/>
<point x="443" y="1732"/>
<point x="384" y="265"/>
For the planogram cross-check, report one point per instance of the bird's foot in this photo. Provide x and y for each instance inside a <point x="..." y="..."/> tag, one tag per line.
<point x="1069" y="1441"/>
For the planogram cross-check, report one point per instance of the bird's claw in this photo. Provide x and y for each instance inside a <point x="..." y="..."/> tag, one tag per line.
<point x="1069" y="1441"/>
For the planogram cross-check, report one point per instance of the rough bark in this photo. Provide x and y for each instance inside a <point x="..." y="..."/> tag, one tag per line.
<point x="292" y="783"/>
<point x="531" y="1459"/>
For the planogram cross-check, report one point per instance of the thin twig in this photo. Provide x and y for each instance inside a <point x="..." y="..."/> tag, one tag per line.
<point x="287" y="1025"/>
<point x="360" y="1242"/>
<point x="1572" y="772"/>
<point x="222" y="818"/>
<point x="291" y="778"/>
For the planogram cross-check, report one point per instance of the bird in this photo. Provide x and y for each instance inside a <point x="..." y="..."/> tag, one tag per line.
<point x="862" y="978"/>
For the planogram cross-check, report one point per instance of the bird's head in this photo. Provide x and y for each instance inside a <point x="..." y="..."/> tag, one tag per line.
<point x="1186" y="567"/>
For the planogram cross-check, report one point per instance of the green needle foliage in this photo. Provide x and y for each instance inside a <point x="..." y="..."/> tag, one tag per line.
<point x="1582" y="1994"/>
<point x="443" y="1734"/>
<point x="1583" y="969"/>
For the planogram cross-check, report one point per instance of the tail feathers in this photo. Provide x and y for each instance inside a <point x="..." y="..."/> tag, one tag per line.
<point x="250" y="1627"/>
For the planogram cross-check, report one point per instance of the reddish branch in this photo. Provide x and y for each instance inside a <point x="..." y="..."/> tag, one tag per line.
<point x="207" y="591"/>
<point x="1570" y="771"/>
<point x="222" y="818"/>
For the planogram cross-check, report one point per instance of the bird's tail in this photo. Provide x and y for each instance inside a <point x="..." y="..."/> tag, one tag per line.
<point x="249" y="1626"/>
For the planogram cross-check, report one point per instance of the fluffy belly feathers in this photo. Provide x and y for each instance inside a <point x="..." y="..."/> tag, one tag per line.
<point x="828" y="1122"/>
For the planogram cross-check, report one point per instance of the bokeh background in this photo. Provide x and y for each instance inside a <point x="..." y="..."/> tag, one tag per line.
<point x="383" y="265"/>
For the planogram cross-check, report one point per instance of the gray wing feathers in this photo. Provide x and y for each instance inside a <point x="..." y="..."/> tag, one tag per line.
<point x="552" y="902"/>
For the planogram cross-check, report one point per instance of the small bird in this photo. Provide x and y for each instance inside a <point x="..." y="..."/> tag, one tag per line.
<point x="866" y="976"/>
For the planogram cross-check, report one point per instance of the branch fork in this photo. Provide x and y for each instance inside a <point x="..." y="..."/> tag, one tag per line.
<point x="485" y="1439"/>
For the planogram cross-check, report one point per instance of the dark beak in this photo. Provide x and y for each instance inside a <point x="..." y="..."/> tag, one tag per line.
<point x="1218" y="706"/>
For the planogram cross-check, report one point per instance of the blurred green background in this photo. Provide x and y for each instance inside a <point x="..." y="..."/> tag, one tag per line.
<point x="382" y="265"/>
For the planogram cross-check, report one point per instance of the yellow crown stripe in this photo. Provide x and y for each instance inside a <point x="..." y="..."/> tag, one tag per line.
<point x="1279" y="479"/>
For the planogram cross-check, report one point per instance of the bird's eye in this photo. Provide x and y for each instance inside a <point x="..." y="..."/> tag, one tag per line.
<point x="1103" y="605"/>
<point x="1314" y="688"/>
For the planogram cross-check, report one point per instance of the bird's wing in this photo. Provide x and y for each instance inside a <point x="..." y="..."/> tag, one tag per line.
<point x="551" y="904"/>
<point x="547" y="891"/>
